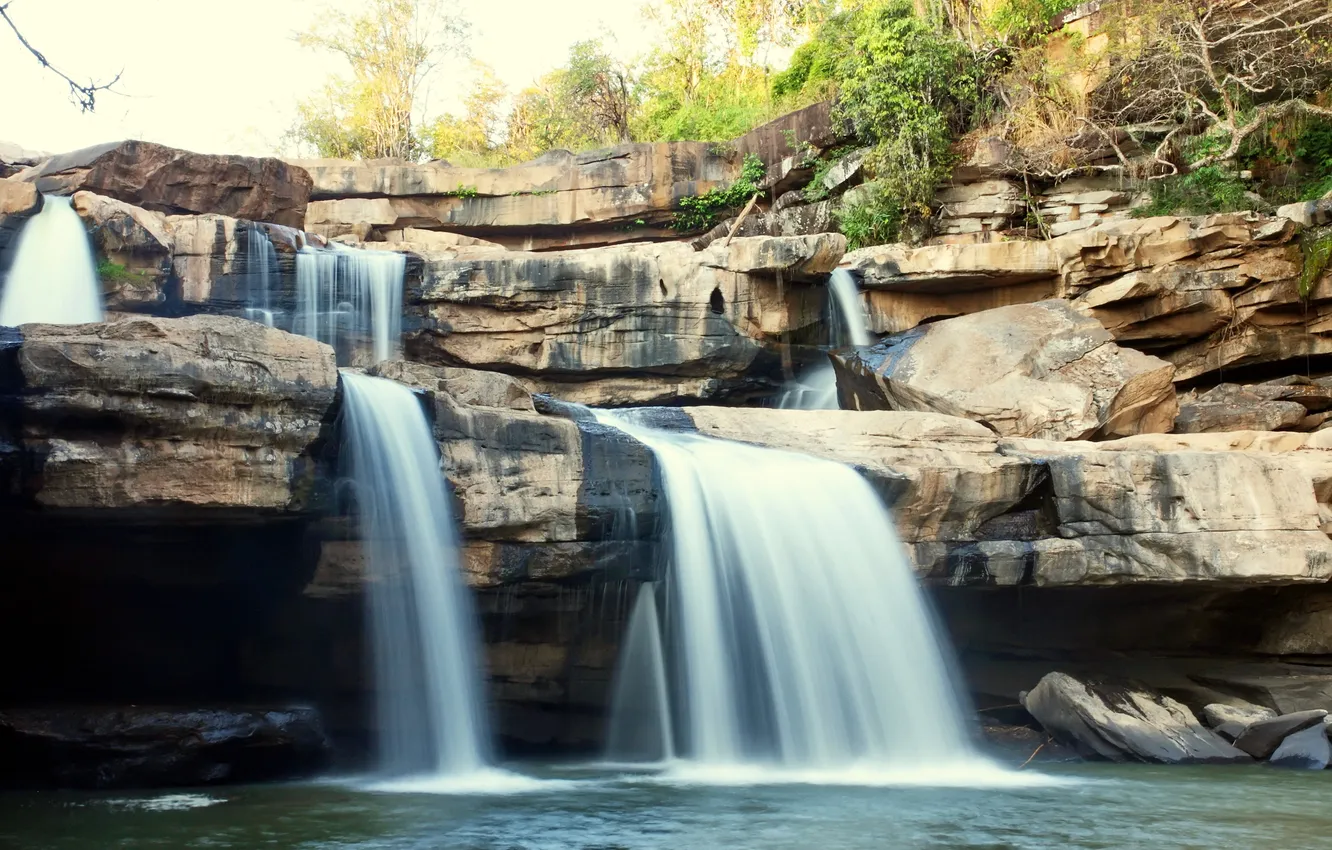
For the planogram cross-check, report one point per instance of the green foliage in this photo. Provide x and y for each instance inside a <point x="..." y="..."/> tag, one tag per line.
<point x="1316" y="245"/>
<point x="871" y="215"/>
<point x="110" y="272"/>
<point x="701" y="211"/>
<point x="815" y="190"/>
<point x="1203" y="191"/>
<point x="464" y="192"/>
<point x="1024" y="21"/>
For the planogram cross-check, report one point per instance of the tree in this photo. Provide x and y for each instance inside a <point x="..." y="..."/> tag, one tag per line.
<point x="1220" y="69"/>
<point x="83" y="94"/>
<point x="391" y="48"/>
<point x="601" y="88"/>
<point x="471" y="140"/>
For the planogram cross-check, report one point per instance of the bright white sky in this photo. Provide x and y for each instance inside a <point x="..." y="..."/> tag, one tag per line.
<point x="223" y="76"/>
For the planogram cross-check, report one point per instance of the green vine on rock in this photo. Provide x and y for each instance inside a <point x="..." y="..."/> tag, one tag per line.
<point x="700" y="212"/>
<point x="1316" y="246"/>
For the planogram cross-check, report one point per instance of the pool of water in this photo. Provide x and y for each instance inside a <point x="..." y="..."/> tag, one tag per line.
<point x="547" y="808"/>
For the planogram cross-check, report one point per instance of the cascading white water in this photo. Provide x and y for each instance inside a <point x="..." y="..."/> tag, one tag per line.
<point x="54" y="277"/>
<point x="344" y="294"/>
<point x="426" y="649"/>
<point x="816" y="389"/>
<point x="798" y="633"/>
<point x="261" y="268"/>
<point x="640" y="717"/>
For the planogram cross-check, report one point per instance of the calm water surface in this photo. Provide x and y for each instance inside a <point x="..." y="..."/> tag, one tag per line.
<point x="1082" y="807"/>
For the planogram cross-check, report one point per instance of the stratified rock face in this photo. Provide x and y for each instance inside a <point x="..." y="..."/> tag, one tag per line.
<point x="200" y="412"/>
<point x="169" y="180"/>
<point x="1121" y="723"/>
<point x="1039" y="370"/>
<point x="619" y="194"/>
<point x="693" y="324"/>
<point x="1232" y="510"/>
<point x="139" y="747"/>
<point x="136" y="249"/>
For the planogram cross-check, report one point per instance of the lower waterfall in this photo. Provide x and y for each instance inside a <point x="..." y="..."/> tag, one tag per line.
<point x="350" y="297"/>
<point x="640" y="716"/>
<point x="54" y="277"/>
<point x="797" y="635"/>
<point x="430" y="712"/>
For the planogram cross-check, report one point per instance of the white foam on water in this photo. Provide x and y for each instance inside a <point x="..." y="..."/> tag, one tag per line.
<point x="166" y="802"/>
<point x="485" y="782"/>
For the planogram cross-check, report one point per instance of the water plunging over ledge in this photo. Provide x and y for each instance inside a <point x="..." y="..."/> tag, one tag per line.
<point x="346" y="294"/>
<point x="798" y="636"/>
<point x="54" y="277"/>
<point x="640" y="715"/>
<point x="816" y="389"/>
<point x="427" y="657"/>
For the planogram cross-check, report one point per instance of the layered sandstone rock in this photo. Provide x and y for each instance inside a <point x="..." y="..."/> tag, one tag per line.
<point x="1039" y="370"/>
<point x="18" y="203"/>
<point x="561" y="200"/>
<point x="196" y="413"/>
<point x="169" y="180"/>
<point x="647" y="322"/>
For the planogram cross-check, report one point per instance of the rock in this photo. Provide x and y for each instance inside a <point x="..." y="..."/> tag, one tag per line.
<point x="135" y="246"/>
<point x="1232" y="408"/>
<point x="561" y="200"/>
<point x="1062" y="369"/>
<point x="697" y="321"/>
<point x="18" y="203"/>
<point x="1262" y="737"/>
<point x="169" y="180"/>
<point x="791" y="134"/>
<point x="137" y="747"/>
<point x="1230" y="721"/>
<point x="1121" y="723"/>
<point x="846" y="172"/>
<point x="1304" y="750"/>
<point x="236" y="404"/>
<point x="14" y="159"/>
<point x="1307" y="213"/>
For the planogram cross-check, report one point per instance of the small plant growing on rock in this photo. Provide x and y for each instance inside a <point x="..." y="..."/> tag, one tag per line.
<point x="701" y="211"/>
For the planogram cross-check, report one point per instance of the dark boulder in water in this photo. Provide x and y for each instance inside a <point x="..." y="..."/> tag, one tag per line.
<point x="1260" y="739"/>
<point x="131" y="747"/>
<point x="1307" y="749"/>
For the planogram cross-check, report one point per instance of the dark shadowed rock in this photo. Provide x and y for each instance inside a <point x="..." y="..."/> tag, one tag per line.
<point x="1122" y="723"/>
<point x="1261" y="738"/>
<point x="1307" y="749"/>
<point x="157" y="747"/>
<point x="169" y="180"/>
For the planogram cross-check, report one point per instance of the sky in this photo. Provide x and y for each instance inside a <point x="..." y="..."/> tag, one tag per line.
<point x="224" y="76"/>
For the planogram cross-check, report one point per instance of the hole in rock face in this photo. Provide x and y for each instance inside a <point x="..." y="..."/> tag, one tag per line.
<point x="662" y="285"/>
<point x="717" y="302"/>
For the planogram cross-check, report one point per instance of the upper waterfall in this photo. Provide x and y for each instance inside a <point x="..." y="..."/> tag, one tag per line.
<point x="797" y="633"/>
<point x="847" y="325"/>
<point x="54" y="277"/>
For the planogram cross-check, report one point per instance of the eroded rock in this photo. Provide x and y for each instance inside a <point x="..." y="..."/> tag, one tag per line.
<point x="1307" y="749"/>
<point x="1261" y="738"/>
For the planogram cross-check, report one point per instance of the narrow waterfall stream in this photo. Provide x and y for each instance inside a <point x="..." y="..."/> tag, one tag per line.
<point x="54" y="276"/>
<point x="430" y="714"/>
<point x="640" y="716"/>
<point x="798" y="636"/>
<point x="261" y="270"/>
<point x="816" y="389"/>
<point x="344" y="295"/>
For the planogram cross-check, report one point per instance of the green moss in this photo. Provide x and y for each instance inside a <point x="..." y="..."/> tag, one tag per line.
<point x="111" y="272"/>
<point x="1316" y="245"/>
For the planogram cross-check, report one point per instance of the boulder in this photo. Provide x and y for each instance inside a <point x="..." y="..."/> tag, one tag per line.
<point x="1262" y="737"/>
<point x="1039" y="370"/>
<point x="169" y="180"/>
<point x="1121" y="723"/>
<point x="1304" y="750"/>
<point x="144" y="746"/>
<point x="1230" y="721"/>
<point x="1232" y="408"/>
<point x="135" y="248"/>
<point x="14" y="159"/>
<point x="113" y="415"/>
<point x="18" y="203"/>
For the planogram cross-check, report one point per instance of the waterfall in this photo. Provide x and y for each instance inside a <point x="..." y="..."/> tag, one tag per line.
<point x="346" y="296"/>
<point x="260" y="275"/>
<point x="798" y="635"/>
<point x="426" y="650"/>
<point x="816" y="389"/>
<point x="640" y="717"/>
<point x="54" y="277"/>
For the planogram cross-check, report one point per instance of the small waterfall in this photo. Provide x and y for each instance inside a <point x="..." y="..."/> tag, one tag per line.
<point x="261" y="269"/>
<point x="798" y="634"/>
<point x="640" y="717"/>
<point x="426" y="649"/>
<point x="346" y="296"/>
<point x="816" y="389"/>
<point x="54" y="276"/>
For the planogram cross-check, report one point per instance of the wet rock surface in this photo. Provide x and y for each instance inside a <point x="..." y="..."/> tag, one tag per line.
<point x="137" y="747"/>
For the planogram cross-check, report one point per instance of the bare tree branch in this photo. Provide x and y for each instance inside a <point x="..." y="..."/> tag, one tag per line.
<point x="84" y="95"/>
